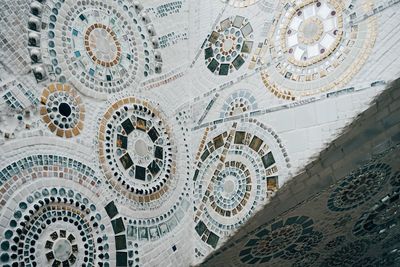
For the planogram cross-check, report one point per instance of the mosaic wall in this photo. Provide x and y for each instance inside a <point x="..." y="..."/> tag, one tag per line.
<point x="148" y="133"/>
<point x="353" y="221"/>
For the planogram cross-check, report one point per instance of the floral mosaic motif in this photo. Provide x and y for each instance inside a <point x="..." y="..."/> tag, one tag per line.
<point x="359" y="186"/>
<point x="58" y="227"/>
<point x="62" y="110"/>
<point x="311" y="43"/>
<point x="284" y="239"/>
<point x="235" y="174"/>
<point x="106" y="45"/>
<point x="135" y="148"/>
<point x="348" y="254"/>
<point x="237" y="103"/>
<point x="229" y="45"/>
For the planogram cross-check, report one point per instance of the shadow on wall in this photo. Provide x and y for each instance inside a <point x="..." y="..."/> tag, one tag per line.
<point x="343" y="210"/>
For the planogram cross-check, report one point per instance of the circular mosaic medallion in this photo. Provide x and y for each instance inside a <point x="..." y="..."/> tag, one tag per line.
<point x="359" y="186"/>
<point x="229" y="45"/>
<point x="101" y="47"/>
<point x="135" y="148"/>
<point x="55" y="226"/>
<point x="62" y="110"/>
<point x="283" y="239"/>
<point x="312" y="43"/>
<point x="236" y="173"/>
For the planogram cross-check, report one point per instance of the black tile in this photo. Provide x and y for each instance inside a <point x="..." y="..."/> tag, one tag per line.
<point x="158" y="153"/>
<point x="224" y="69"/>
<point x="153" y="134"/>
<point x="213" y="65"/>
<point x="154" y="168"/>
<point x="122" y="259"/>
<point x="111" y="209"/>
<point x="213" y="240"/>
<point x="208" y="52"/>
<point x="118" y="225"/>
<point x="140" y="173"/>
<point x="127" y="125"/>
<point x="200" y="228"/>
<point x="120" y="242"/>
<point x="205" y="155"/>
<point x="268" y="160"/>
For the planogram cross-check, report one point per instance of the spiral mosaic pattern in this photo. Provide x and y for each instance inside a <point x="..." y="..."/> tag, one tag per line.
<point x="312" y="43"/>
<point x="359" y="186"/>
<point x="286" y="239"/>
<point x="135" y="148"/>
<point x="228" y="45"/>
<point x="236" y="173"/>
<point x="62" y="110"/>
<point x="105" y="46"/>
<point x="102" y="45"/>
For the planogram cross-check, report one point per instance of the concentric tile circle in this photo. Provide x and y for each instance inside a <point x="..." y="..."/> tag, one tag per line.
<point x="101" y="47"/>
<point x="314" y="46"/>
<point x="136" y="150"/>
<point x="228" y="45"/>
<point x="62" y="110"/>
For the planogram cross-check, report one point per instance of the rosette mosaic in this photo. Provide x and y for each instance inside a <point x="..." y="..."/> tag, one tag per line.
<point x="236" y="173"/>
<point x="228" y="45"/>
<point x="359" y="186"/>
<point x="136" y="150"/>
<point x="46" y="224"/>
<point x="62" y="110"/>
<point x="314" y="46"/>
<point x="101" y="47"/>
<point x="56" y="226"/>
